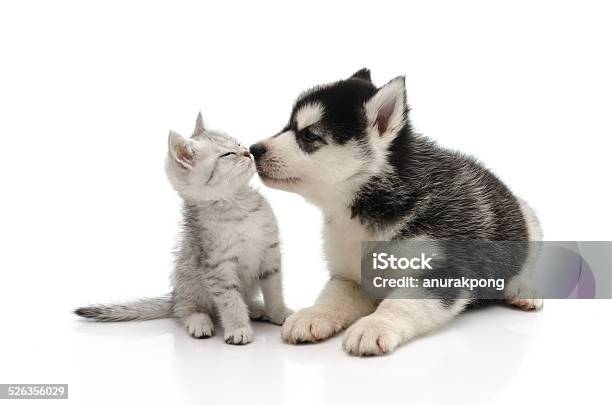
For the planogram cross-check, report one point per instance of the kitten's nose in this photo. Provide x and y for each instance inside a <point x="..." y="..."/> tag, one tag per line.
<point x="246" y="153"/>
<point x="258" y="150"/>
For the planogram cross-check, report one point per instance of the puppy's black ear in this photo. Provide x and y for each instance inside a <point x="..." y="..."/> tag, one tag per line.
<point x="387" y="109"/>
<point x="362" y="74"/>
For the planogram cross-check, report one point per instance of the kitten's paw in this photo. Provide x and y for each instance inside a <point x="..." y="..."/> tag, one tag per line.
<point x="310" y="325"/>
<point x="257" y="312"/>
<point x="527" y="304"/>
<point x="279" y="317"/>
<point x="199" y="325"/>
<point x="239" y="336"/>
<point x="371" y="336"/>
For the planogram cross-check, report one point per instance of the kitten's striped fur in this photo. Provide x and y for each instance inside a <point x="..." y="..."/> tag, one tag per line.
<point x="228" y="250"/>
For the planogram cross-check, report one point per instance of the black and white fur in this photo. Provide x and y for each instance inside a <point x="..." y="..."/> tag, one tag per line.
<point x="229" y="247"/>
<point x="349" y="148"/>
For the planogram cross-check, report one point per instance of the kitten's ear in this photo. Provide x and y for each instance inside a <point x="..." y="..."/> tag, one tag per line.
<point x="199" y="125"/>
<point x="387" y="110"/>
<point x="181" y="149"/>
<point x="362" y="74"/>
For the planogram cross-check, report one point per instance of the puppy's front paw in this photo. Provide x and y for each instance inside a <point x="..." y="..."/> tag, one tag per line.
<point x="239" y="336"/>
<point x="371" y="336"/>
<point x="199" y="325"/>
<point x="310" y="325"/>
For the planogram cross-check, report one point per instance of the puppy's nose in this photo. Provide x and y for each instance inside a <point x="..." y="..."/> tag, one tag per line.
<point x="258" y="150"/>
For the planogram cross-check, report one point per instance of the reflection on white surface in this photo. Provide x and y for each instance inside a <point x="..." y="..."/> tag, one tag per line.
<point x="490" y="356"/>
<point x="158" y="359"/>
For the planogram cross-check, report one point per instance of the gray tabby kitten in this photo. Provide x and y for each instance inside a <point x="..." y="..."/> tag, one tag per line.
<point x="229" y="248"/>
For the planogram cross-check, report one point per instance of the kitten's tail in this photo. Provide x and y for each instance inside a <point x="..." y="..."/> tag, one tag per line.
<point x="138" y="310"/>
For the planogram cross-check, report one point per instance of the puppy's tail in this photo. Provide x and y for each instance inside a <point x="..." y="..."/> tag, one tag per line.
<point x="137" y="310"/>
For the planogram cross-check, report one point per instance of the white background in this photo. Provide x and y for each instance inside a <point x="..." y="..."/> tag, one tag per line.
<point x="87" y="95"/>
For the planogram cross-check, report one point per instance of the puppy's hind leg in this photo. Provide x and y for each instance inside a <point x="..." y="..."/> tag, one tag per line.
<point x="520" y="294"/>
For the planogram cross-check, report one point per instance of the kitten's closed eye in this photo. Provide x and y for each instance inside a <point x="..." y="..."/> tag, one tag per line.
<point x="228" y="154"/>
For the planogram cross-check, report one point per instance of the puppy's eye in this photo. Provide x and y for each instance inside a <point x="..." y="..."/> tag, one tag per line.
<point x="227" y="154"/>
<point x="309" y="136"/>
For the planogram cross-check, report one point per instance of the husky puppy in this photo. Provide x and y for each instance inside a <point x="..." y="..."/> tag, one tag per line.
<point x="349" y="148"/>
<point x="229" y="246"/>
